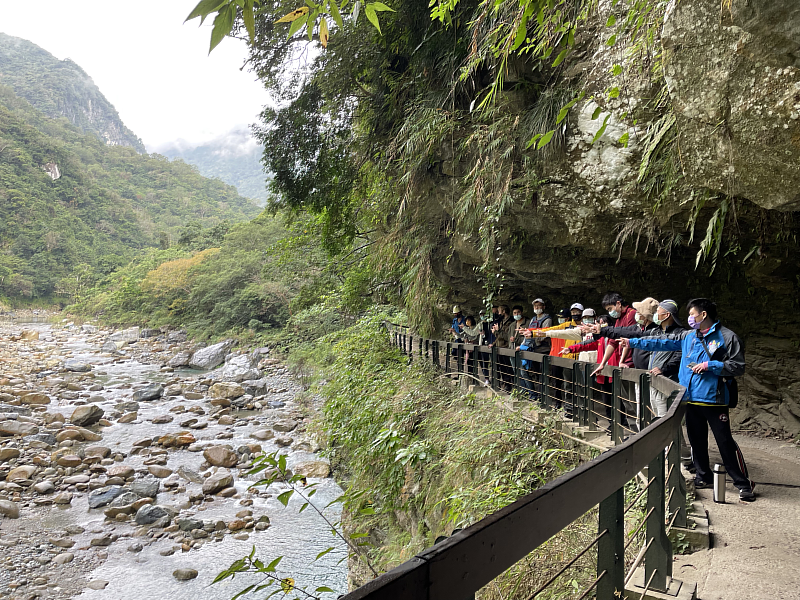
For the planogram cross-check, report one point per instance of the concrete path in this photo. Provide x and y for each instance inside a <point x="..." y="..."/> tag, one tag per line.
<point x="755" y="552"/>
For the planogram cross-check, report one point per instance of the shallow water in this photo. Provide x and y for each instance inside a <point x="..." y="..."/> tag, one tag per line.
<point x="299" y="537"/>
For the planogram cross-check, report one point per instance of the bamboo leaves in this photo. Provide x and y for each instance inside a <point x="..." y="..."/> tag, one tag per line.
<point x="226" y="14"/>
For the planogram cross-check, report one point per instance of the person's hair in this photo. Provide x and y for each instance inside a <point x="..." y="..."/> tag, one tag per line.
<point x="602" y="319"/>
<point x="613" y="298"/>
<point x="703" y="305"/>
<point x="517" y="307"/>
<point x="468" y="319"/>
<point x="504" y="309"/>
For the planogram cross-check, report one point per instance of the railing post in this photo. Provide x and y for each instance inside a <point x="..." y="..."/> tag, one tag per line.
<point x="517" y="366"/>
<point x="611" y="547"/>
<point x="411" y="346"/>
<point x="447" y="358"/>
<point x="616" y="389"/>
<point x="590" y="420"/>
<point x="436" y="353"/>
<point x="676" y="482"/>
<point x="658" y="558"/>
<point x="546" y="380"/>
<point x="574" y="394"/>
<point x="494" y="368"/>
<point x="644" y="401"/>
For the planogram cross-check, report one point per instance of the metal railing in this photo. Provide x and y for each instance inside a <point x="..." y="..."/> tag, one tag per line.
<point x="457" y="567"/>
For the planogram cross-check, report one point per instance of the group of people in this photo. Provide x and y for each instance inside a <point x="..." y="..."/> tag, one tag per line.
<point x="703" y="356"/>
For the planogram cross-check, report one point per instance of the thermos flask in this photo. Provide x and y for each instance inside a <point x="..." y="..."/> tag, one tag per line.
<point x="719" y="483"/>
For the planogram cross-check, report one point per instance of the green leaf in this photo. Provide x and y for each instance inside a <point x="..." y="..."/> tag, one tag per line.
<point x="324" y="589"/>
<point x="223" y="23"/>
<point x="367" y="511"/>
<point x="380" y="7"/>
<point x="372" y="17"/>
<point x="522" y="32"/>
<point x="602" y="129"/>
<point x="302" y="508"/>
<point x="624" y="139"/>
<point x="613" y="92"/>
<point x="355" y="536"/>
<point x="611" y="21"/>
<point x="533" y="140"/>
<point x="561" y="56"/>
<point x="323" y="553"/>
<point x="284" y="497"/>
<point x="297" y="25"/>
<point x="248" y="15"/>
<point x="244" y="591"/>
<point x="545" y="139"/>
<point x="612" y="40"/>
<point x="205" y="8"/>
<point x="270" y="568"/>
<point x="337" y="17"/>
<point x="616" y="70"/>
<point x="596" y="113"/>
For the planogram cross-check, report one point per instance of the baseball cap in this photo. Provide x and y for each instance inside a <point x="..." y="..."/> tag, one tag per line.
<point x="538" y="300"/>
<point x="589" y="312"/>
<point x="672" y="308"/>
<point x="577" y="305"/>
<point x="456" y="309"/>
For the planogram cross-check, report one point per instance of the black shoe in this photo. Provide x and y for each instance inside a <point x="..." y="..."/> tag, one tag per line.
<point x="747" y="494"/>
<point x="699" y="484"/>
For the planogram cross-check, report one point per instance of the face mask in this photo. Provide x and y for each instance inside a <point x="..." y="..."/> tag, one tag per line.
<point x="694" y="323"/>
<point x="603" y="325"/>
<point x="561" y="320"/>
<point x="639" y="319"/>
<point x="588" y="321"/>
<point x="517" y="317"/>
<point x="575" y="317"/>
<point x="657" y="320"/>
<point x="538" y="311"/>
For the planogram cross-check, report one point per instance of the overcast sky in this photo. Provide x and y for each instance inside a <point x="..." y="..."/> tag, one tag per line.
<point x="153" y="68"/>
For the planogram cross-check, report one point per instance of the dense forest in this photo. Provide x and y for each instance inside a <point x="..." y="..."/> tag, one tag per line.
<point x="73" y="208"/>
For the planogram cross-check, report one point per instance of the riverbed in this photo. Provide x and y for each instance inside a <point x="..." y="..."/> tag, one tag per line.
<point x="113" y="556"/>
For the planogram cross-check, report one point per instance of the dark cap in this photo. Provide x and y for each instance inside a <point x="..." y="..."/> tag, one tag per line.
<point x="672" y="308"/>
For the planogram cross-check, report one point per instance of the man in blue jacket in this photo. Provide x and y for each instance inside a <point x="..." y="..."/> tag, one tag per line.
<point x="709" y="353"/>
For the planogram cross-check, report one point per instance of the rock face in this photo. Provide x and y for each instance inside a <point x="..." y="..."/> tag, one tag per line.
<point x="208" y="358"/>
<point x="239" y="368"/>
<point x="86" y="415"/>
<point x="313" y="468"/>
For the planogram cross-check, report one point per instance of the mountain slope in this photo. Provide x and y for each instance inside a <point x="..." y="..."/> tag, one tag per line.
<point x="235" y="158"/>
<point x="72" y="205"/>
<point x="60" y="88"/>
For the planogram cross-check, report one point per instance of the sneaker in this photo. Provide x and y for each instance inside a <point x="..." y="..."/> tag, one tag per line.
<point x="700" y="484"/>
<point x="747" y="495"/>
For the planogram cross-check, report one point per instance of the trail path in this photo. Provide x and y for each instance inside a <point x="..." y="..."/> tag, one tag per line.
<point x="755" y="552"/>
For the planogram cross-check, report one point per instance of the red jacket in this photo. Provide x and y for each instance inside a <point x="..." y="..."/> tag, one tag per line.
<point x="600" y="346"/>
<point x="626" y="319"/>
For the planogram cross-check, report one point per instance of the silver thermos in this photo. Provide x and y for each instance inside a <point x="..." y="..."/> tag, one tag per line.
<point x="719" y="483"/>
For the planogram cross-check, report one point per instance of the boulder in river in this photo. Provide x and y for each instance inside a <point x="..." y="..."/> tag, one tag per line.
<point x="184" y="574"/>
<point x="181" y="359"/>
<point x="126" y="335"/>
<point x="226" y="390"/>
<point x="210" y="357"/>
<point x="220" y="456"/>
<point x="238" y="368"/>
<point x="145" y="488"/>
<point x="217" y="482"/>
<point x="35" y="398"/>
<point x="8" y="428"/>
<point x="149" y="392"/>
<point x="88" y="414"/>
<point x="150" y="513"/>
<point x="110" y="347"/>
<point x="76" y="366"/>
<point x="313" y="468"/>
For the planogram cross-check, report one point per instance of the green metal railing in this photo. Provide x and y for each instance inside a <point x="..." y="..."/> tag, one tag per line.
<point x="460" y="565"/>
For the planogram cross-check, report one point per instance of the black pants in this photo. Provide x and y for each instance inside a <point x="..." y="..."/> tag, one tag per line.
<point x="698" y="420"/>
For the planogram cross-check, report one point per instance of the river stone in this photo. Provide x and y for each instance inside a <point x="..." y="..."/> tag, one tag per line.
<point x="44" y="487"/>
<point x="8" y="453"/>
<point x="150" y="513"/>
<point x="9" y="509"/>
<point x="109" y="347"/>
<point x="312" y="468"/>
<point x="128" y="417"/>
<point x="239" y="367"/>
<point x="21" y="473"/>
<point x="220" y="456"/>
<point x="63" y="542"/>
<point x="45" y="438"/>
<point x="104" y="495"/>
<point x="69" y="460"/>
<point x="96" y="399"/>
<point x="126" y="335"/>
<point x="150" y="392"/>
<point x="102" y="541"/>
<point x="190" y="475"/>
<point x="162" y="419"/>
<point x="86" y="415"/>
<point x="189" y="524"/>
<point x="8" y="428"/>
<point x="145" y="488"/>
<point x="210" y="357"/>
<point x="149" y="333"/>
<point x="181" y="359"/>
<point x="256" y="387"/>
<point x="128" y="406"/>
<point x="35" y="398"/>
<point x="62" y="498"/>
<point x="184" y="574"/>
<point x="172" y="440"/>
<point x="9" y="408"/>
<point x="76" y="366"/>
<point x="29" y="335"/>
<point x="64" y="558"/>
<point x="226" y="390"/>
<point x="124" y="499"/>
<point x="124" y="471"/>
<point x="100" y="451"/>
<point x="158" y="471"/>
<point x="97" y="584"/>
<point x="217" y="482"/>
<point x="75" y="479"/>
<point x="284" y="425"/>
<point x="283" y="441"/>
<point x="193" y="396"/>
<point x="88" y="436"/>
<point x="90" y="329"/>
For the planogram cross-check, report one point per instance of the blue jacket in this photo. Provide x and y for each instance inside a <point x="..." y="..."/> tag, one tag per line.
<point x="726" y="360"/>
<point x="457" y="323"/>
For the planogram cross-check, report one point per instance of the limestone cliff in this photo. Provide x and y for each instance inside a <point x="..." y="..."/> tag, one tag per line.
<point x="713" y="159"/>
<point x="60" y="88"/>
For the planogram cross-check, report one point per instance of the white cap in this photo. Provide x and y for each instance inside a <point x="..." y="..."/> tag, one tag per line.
<point x="539" y="300"/>
<point x="456" y="309"/>
<point x="577" y="305"/>
<point x="589" y="312"/>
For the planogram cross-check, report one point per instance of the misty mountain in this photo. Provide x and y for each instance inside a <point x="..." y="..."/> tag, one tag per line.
<point x="60" y="88"/>
<point x="234" y="158"/>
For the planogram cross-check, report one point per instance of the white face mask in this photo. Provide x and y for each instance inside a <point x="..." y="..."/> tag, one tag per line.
<point x="639" y="319"/>
<point x="538" y="311"/>
<point x="588" y="321"/>
<point x="517" y="317"/>
<point x="561" y="320"/>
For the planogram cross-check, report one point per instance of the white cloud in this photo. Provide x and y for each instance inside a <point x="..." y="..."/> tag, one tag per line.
<point x="153" y="68"/>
